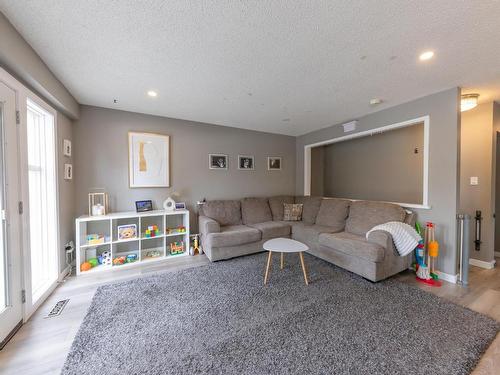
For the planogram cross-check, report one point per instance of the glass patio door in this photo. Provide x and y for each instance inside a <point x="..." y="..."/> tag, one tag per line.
<point x="41" y="219"/>
<point x="11" y="312"/>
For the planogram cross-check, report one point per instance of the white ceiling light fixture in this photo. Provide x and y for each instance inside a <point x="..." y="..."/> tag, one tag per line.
<point x="468" y="101"/>
<point x="152" y="94"/>
<point x="427" y="55"/>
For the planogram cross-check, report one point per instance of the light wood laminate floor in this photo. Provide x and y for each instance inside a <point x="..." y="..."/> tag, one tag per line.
<point x="41" y="345"/>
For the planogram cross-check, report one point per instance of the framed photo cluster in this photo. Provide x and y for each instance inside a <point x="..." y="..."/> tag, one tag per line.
<point x="245" y="162"/>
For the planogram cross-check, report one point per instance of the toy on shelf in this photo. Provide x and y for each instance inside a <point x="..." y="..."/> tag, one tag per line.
<point x="85" y="266"/>
<point x="179" y="229"/>
<point x="426" y="253"/>
<point x="176" y="248"/>
<point x="153" y="254"/>
<point x="152" y="231"/>
<point x="131" y="258"/>
<point x="93" y="262"/>
<point x="127" y="232"/>
<point x="95" y="239"/>
<point x="105" y="258"/>
<point x="118" y="261"/>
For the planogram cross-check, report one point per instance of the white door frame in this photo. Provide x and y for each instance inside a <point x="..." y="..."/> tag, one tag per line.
<point x="14" y="313"/>
<point x="424" y="119"/>
<point x="23" y="94"/>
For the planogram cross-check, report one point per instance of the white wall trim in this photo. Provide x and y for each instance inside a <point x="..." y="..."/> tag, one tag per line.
<point x="63" y="274"/>
<point x="447" y="277"/>
<point x="497" y="254"/>
<point x="424" y="119"/>
<point x="483" y="264"/>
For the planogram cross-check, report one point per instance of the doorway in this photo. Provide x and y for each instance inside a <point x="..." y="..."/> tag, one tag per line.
<point x="11" y="295"/>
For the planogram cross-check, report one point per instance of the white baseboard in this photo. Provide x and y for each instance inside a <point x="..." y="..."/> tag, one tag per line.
<point x="482" y="263"/>
<point x="447" y="277"/>
<point x="497" y="254"/>
<point x="63" y="274"/>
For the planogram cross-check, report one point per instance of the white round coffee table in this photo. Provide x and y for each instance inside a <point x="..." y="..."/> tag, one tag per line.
<point x="285" y="245"/>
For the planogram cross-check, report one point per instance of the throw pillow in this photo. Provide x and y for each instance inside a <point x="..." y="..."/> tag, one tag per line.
<point x="292" y="212"/>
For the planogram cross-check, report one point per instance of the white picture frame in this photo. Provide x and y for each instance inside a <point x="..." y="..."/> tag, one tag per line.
<point x="148" y="160"/>
<point x="274" y="163"/>
<point x="67" y="147"/>
<point x="246" y="162"/>
<point x="68" y="171"/>
<point x="218" y="161"/>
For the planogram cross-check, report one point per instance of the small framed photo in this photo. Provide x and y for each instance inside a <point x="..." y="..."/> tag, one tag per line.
<point x="67" y="147"/>
<point x="68" y="171"/>
<point x="126" y="232"/>
<point x="245" y="162"/>
<point x="217" y="161"/>
<point x="180" y="206"/>
<point x="143" y="206"/>
<point x="274" y="163"/>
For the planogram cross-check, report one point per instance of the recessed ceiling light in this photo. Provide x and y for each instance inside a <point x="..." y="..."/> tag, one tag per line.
<point x="427" y="55"/>
<point x="468" y="101"/>
<point x="152" y="94"/>
<point x="376" y="101"/>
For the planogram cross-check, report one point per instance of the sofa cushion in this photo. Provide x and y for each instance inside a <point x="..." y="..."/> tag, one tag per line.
<point x="309" y="233"/>
<point x="364" y="215"/>
<point x="277" y="205"/>
<point x="353" y="244"/>
<point x="333" y="213"/>
<point x="227" y="212"/>
<point x="233" y="235"/>
<point x="310" y="208"/>
<point x="272" y="229"/>
<point x="292" y="212"/>
<point x="255" y="210"/>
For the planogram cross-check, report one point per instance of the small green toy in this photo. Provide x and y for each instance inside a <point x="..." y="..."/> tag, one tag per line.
<point x="93" y="262"/>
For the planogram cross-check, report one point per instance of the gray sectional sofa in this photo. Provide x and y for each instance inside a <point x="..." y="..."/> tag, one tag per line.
<point x="334" y="229"/>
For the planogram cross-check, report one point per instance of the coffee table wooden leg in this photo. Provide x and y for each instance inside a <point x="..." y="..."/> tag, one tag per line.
<point x="301" y="255"/>
<point x="267" y="267"/>
<point x="282" y="261"/>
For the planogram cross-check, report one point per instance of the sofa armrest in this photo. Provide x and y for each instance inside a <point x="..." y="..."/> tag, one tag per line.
<point x="381" y="238"/>
<point x="207" y="225"/>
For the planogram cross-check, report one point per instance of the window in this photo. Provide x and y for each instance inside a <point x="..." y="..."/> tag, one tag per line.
<point x="43" y="223"/>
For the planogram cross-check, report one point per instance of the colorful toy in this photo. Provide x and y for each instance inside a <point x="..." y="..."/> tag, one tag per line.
<point x="152" y="231"/>
<point x="426" y="253"/>
<point x="105" y="258"/>
<point x="85" y="266"/>
<point x="95" y="239"/>
<point x="118" y="261"/>
<point x="131" y="258"/>
<point x="93" y="262"/>
<point x="179" y="229"/>
<point x="176" y="248"/>
<point x="126" y="232"/>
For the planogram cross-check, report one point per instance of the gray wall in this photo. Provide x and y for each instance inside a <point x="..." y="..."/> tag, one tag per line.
<point x="17" y="57"/>
<point x="381" y="167"/>
<point x="495" y="191"/>
<point x="476" y="159"/>
<point x="101" y="159"/>
<point x="318" y="171"/>
<point x="66" y="187"/>
<point x="443" y="109"/>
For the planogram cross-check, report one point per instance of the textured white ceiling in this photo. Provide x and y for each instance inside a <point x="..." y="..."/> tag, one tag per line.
<point x="279" y="66"/>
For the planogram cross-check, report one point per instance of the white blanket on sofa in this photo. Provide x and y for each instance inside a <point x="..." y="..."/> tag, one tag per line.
<point x="405" y="238"/>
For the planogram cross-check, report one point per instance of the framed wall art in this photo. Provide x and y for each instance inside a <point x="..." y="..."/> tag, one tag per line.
<point x="149" y="160"/>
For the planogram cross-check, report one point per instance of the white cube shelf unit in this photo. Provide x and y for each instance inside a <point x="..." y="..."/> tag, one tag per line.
<point x="146" y="248"/>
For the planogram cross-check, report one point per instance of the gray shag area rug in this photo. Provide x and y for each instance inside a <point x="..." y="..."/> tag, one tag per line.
<point x="221" y="319"/>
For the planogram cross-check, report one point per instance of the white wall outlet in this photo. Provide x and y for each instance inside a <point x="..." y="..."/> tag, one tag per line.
<point x="474" y="180"/>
